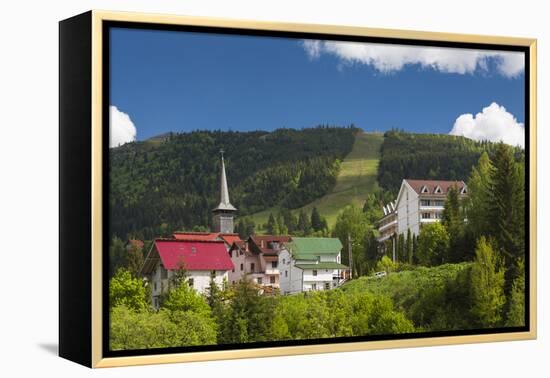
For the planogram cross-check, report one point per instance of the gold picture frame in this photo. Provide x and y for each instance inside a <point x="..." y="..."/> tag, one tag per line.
<point x="92" y="25"/>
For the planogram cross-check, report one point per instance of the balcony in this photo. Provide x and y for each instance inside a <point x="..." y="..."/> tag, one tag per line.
<point x="429" y="220"/>
<point x="271" y="271"/>
<point x="387" y="225"/>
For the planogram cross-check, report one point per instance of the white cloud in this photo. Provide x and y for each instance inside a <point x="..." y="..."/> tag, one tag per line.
<point x="494" y="124"/>
<point x="390" y="58"/>
<point x="122" y="129"/>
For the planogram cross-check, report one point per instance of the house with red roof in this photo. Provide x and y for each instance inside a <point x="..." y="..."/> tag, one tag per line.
<point x="201" y="260"/>
<point x="418" y="202"/>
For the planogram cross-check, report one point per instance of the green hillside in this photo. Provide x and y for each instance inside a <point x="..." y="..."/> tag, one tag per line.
<point x="435" y="298"/>
<point x="357" y="178"/>
<point x="171" y="182"/>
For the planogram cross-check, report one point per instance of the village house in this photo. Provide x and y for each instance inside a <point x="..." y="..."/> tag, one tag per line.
<point x="418" y="202"/>
<point x="309" y="264"/>
<point x="200" y="259"/>
<point x="257" y="259"/>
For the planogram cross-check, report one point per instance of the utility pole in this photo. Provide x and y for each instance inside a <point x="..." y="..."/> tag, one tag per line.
<point x="350" y="255"/>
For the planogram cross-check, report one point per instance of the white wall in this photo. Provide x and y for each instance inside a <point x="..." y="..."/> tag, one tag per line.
<point x="323" y="276"/>
<point x="407" y="211"/>
<point x="29" y="123"/>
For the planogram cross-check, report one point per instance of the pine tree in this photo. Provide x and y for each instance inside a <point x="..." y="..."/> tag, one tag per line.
<point x="487" y="285"/>
<point x="409" y="242"/>
<point x="453" y="220"/>
<point x="304" y="226"/>
<point x="507" y="204"/>
<point x="316" y="221"/>
<point x="515" y="316"/>
<point x="271" y="225"/>
<point x="477" y="200"/>
<point x="401" y="248"/>
<point x="415" y="249"/>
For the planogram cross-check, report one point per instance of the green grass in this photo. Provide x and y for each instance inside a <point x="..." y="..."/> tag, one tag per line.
<point x="357" y="178"/>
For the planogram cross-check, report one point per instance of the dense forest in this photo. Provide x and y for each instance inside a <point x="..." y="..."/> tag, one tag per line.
<point x="172" y="182"/>
<point x="428" y="156"/>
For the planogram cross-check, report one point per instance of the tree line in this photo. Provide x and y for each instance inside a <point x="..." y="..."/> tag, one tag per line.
<point x="241" y="313"/>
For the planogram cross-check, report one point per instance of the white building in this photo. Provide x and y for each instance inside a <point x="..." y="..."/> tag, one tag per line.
<point x="307" y="264"/>
<point x="418" y="202"/>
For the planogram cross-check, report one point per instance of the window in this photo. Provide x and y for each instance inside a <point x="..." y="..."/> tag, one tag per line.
<point x="193" y="250"/>
<point x="259" y="280"/>
<point x="438" y="189"/>
<point x="233" y="270"/>
<point x="439" y="203"/>
<point x="424" y="202"/>
<point x="272" y="279"/>
<point x="314" y="272"/>
<point x="242" y="267"/>
<point x="163" y="273"/>
<point x="274" y="264"/>
<point x="251" y="267"/>
<point x="313" y="286"/>
<point x="286" y="273"/>
<point x="426" y="215"/>
<point x="190" y="282"/>
<point x="284" y="261"/>
<point x="327" y="285"/>
<point x="424" y="189"/>
<point x="155" y="286"/>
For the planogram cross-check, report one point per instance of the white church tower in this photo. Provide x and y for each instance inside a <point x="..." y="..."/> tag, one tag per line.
<point x="225" y="211"/>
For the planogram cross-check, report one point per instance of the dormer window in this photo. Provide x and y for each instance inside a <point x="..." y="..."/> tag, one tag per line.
<point x="438" y="190"/>
<point x="463" y="191"/>
<point x="424" y="189"/>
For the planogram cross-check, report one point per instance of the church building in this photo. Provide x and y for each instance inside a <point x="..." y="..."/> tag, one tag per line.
<point x="203" y="255"/>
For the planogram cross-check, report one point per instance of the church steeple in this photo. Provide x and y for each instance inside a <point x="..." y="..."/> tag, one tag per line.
<point x="224" y="212"/>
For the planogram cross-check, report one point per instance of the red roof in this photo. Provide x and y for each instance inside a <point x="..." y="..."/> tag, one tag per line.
<point x="195" y="254"/>
<point x="180" y="235"/>
<point x="431" y="185"/>
<point x="230" y="238"/>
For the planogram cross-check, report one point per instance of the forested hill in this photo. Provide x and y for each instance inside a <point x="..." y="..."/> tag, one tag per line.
<point x="172" y="182"/>
<point x="428" y="156"/>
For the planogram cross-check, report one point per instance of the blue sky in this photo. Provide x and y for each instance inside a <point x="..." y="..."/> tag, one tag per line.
<point x="179" y="81"/>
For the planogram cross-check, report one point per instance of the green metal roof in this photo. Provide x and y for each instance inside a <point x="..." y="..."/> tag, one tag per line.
<point x="310" y="248"/>
<point x="322" y="265"/>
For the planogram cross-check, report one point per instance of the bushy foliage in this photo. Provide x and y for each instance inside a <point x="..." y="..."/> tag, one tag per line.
<point x="433" y="244"/>
<point x="335" y="313"/>
<point x="127" y="290"/>
<point x="434" y="299"/>
<point x="148" y="329"/>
